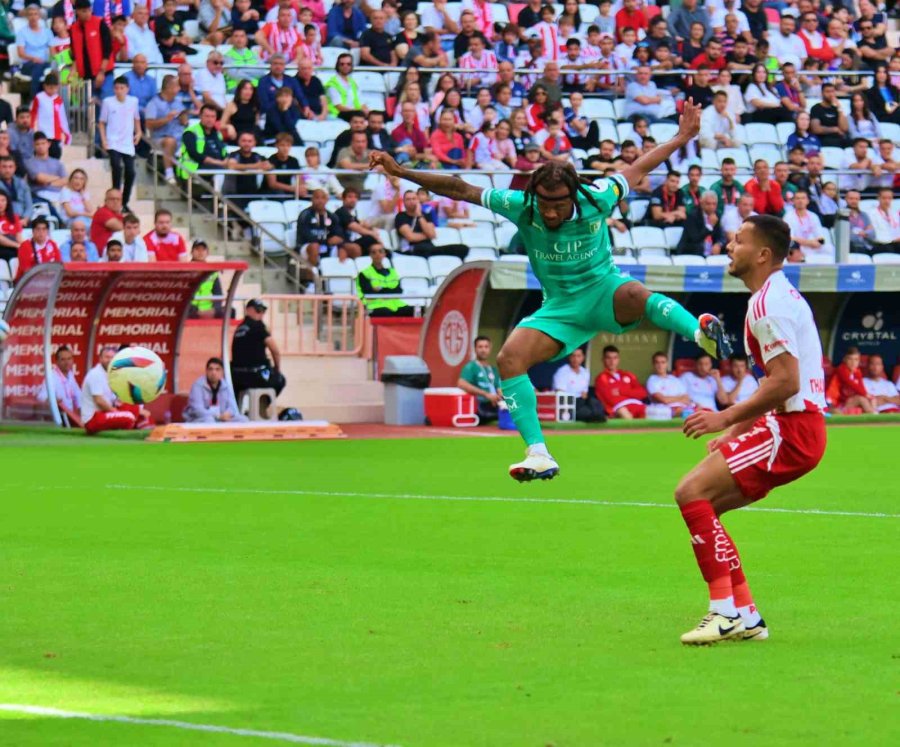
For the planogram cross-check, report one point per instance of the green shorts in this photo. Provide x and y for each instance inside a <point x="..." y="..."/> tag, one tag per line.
<point x="575" y="319"/>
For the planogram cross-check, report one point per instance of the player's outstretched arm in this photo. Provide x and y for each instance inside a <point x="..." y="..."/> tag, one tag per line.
<point x="442" y="184"/>
<point x="781" y="383"/>
<point x="688" y="129"/>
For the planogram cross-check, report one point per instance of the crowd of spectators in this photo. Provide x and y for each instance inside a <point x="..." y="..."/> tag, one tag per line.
<point x="232" y="93"/>
<point x="857" y="385"/>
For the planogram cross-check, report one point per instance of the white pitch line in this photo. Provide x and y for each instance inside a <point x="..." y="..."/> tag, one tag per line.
<point x="489" y="499"/>
<point x="277" y="736"/>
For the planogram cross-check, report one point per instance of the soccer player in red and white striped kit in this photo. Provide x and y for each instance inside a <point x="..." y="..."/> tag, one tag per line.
<point x="774" y="437"/>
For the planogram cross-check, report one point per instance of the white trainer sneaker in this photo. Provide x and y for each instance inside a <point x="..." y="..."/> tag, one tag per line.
<point x="714" y="628"/>
<point x="537" y="465"/>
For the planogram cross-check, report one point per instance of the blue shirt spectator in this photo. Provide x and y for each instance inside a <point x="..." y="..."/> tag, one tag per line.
<point x="269" y="84"/>
<point x="346" y="23"/>
<point x="35" y="42"/>
<point x="158" y="108"/>
<point x="141" y="85"/>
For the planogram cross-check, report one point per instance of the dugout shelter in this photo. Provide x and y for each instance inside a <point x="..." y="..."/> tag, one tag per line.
<point x="88" y="305"/>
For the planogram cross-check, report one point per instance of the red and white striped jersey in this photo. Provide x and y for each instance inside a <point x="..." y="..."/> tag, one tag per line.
<point x="549" y="35"/>
<point x="484" y="18"/>
<point x="487" y="61"/>
<point x="283" y="41"/>
<point x="48" y="115"/>
<point x="778" y="321"/>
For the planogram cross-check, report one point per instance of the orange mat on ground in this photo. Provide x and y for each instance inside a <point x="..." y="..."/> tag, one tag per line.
<point x="274" y="430"/>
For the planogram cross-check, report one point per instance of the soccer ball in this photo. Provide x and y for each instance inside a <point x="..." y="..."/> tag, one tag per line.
<point x="137" y="376"/>
<point x="4" y="330"/>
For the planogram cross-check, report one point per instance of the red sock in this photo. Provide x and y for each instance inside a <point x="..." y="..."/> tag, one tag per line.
<point x="715" y="553"/>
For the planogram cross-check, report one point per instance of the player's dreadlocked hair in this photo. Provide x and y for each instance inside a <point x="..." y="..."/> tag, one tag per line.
<point x="549" y="177"/>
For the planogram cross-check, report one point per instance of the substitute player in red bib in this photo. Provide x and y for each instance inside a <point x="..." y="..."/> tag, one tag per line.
<point x="774" y="437"/>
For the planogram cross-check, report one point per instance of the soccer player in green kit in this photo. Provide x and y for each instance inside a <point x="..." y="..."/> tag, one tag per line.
<point x="562" y="222"/>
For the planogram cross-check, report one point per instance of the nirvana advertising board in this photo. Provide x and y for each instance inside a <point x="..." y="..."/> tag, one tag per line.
<point x="86" y="306"/>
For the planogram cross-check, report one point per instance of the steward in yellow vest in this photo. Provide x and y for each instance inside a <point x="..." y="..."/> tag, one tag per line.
<point x="377" y="279"/>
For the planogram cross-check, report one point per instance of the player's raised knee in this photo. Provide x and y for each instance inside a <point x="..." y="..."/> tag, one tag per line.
<point x="510" y="363"/>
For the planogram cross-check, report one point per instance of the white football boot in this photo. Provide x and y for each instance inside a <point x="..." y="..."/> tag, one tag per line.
<point x="537" y="465"/>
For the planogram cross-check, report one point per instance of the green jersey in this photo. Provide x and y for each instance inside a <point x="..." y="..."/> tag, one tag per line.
<point x="578" y="254"/>
<point x="486" y="378"/>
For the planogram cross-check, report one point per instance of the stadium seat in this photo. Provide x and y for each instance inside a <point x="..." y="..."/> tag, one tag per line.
<point x="663" y="131"/>
<point x="482" y="235"/>
<point x="891" y="131"/>
<point x="608" y="129"/>
<point x="626" y="131"/>
<point x="622" y="242"/>
<point x="447" y="235"/>
<point x="637" y="210"/>
<point x="624" y="259"/>
<point x="653" y="259"/>
<point x="819" y="258"/>
<point x="619" y="107"/>
<point x="518" y="258"/>
<point x="372" y="99"/>
<point x="588" y="15"/>
<point x="479" y="213"/>
<point x="323" y="131"/>
<point x="738" y="154"/>
<point x="649" y="237"/>
<point x="363" y="262"/>
<point x="14" y="264"/>
<point x="757" y="133"/>
<point x="687" y="259"/>
<point x="718" y="260"/>
<point x="479" y="252"/>
<point x="833" y="157"/>
<point x="709" y="162"/>
<point x="442" y="265"/>
<point x="785" y="130"/>
<point x="596" y="108"/>
<point x="479" y="180"/>
<point x="771" y="154"/>
<point x="499" y="13"/>
<point x="888" y="258"/>
<point x="855" y="258"/>
<point x="369" y="81"/>
<point x="293" y="208"/>
<point x="410" y="266"/>
<point x="268" y="215"/>
<point x="673" y="236"/>
<point x="388" y="238"/>
<point x="338" y="276"/>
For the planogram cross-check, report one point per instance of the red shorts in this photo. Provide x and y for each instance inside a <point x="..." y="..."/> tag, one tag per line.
<point x="778" y="449"/>
<point x="117" y="420"/>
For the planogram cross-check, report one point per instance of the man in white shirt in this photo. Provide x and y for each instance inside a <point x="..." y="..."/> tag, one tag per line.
<point x="883" y="392"/>
<point x="210" y="82"/>
<point x="886" y="222"/>
<point x="703" y="385"/>
<point x="573" y="378"/>
<point x="888" y="165"/>
<point x="665" y="388"/>
<point x="739" y="385"/>
<point x="717" y="128"/>
<point x="120" y="132"/>
<point x="65" y="387"/>
<point x="880" y="387"/>
<point x="133" y="247"/>
<point x="99" y="411"/>
<point x="863" y="166"/>
<point x="732" y="219"/>
<point x="141" y="39"/>
<point x="784" y="44"/>
<point x="807" y="229"/>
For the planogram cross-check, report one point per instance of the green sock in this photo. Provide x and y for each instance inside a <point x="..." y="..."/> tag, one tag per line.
<point x="669" y="314"/>
<point x="522" y="403"/>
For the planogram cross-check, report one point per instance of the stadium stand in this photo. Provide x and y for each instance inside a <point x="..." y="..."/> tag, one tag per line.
<point x="328" y="84"/>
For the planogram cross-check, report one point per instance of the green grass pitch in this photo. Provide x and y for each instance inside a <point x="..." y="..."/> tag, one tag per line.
<point x="333" y="590"/>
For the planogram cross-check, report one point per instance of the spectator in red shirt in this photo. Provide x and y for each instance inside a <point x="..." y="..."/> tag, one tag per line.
<point x="37" y="250"/>
<point x="412" y="145"/>
<point x="107" y="220"/>
<point x="164" y="244"/>
<point x="621" y="392"/>
<point x="712" y="57"/>
<point x="850" y="388"/>
<point x="447" y="144"/>
<point x="630" y="17"/>
<point x="766" y="192"/>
